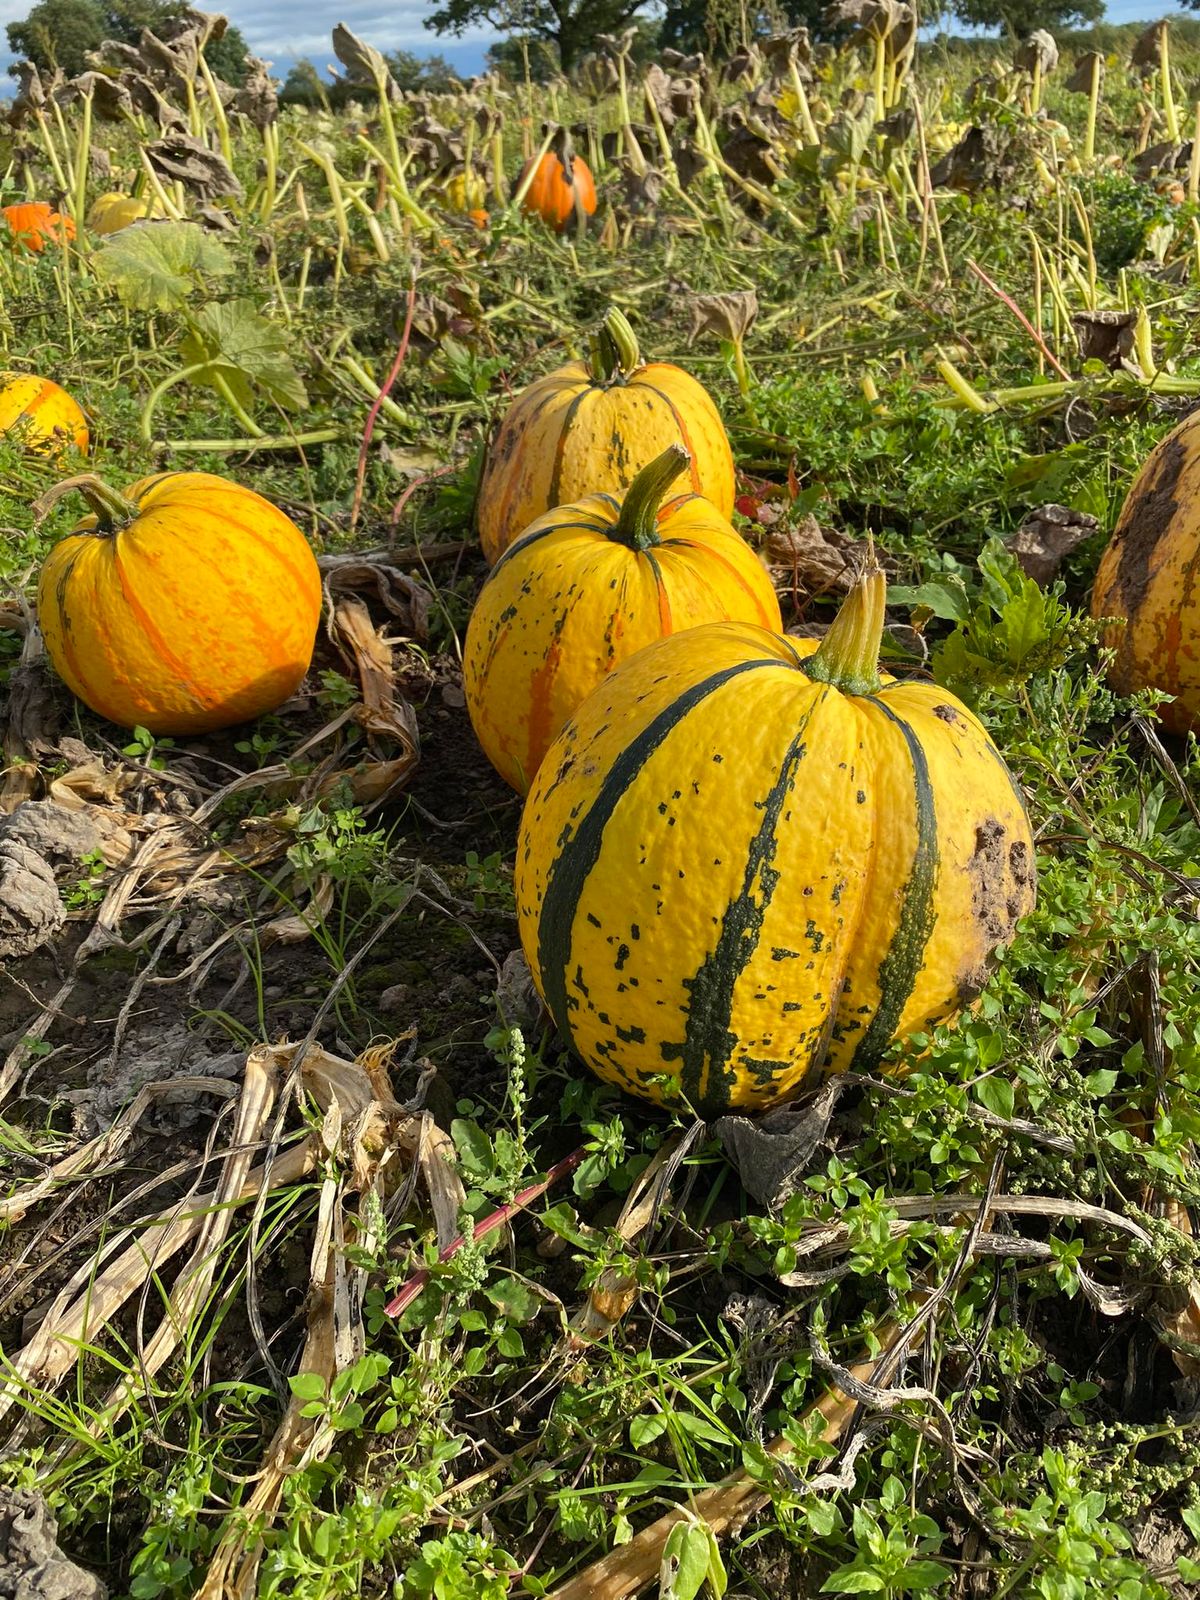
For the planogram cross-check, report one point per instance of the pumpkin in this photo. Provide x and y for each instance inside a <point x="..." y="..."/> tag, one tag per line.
<point x="33" y="222"/>
<point x="747" y="862"/>
<point x="561" y="188"/>
<point x="1145" y="580"/>
<point x="114" y="211"/>
<point x="184" y="605"/>
<point x="464" y="192"/>
<point x="45" y="416"/>
<point x="479" y="217"/>
<point x="583" y="588"/>
<point x="589" y="428"/>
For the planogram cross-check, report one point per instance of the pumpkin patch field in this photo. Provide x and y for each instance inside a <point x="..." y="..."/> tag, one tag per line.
<point x="600" y="823"/>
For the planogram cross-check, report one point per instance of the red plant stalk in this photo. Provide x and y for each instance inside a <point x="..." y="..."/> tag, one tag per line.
<point x="1007" y="300"/>
<point x="376" y="404"/>
<point x="495" y="1219"/>
<point x="428" y="477"/>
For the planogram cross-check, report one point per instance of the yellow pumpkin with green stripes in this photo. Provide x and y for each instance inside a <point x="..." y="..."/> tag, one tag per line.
<point x="584" y="588"/>
<point x="589" y="428"/>
<point x="747" y="862"/>
<point x="1145" y="583"/>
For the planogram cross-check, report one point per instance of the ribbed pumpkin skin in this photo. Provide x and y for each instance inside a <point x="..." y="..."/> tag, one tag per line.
<point x="552" y="197"/>
<point x="54" y="419"/>
<point x="1148" y="576"/>
<point x="114" y="211"/>
<point x="568" y="435"/>
<point x="732" y="880"/>
<point x="33" y="222"/>
<point x="567" y="603"/>
<point x="200" y="614"/>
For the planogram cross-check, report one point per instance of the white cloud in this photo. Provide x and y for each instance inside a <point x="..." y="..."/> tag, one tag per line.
<point x="281" y="32"/>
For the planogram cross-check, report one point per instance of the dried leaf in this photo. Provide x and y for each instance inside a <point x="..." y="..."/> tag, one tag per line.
<point x="730" y="316"/>
<point x="1046" y="537"/>
<point x="1037" y="52"/>
<point x="179" y="156"/>
<point x="1105" y="335"/>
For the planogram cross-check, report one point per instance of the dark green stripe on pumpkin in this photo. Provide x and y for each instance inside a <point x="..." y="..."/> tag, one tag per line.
<point x="906" y="954"/>
<point x="555" y="495"/>
<point x="524" y="540"/>
<point x="580" y="848"/>
<point x="708" y="1074"/>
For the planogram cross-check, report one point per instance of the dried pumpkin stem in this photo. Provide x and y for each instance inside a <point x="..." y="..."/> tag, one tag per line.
<point x="112" y="508"/>
<point x="848" y="657"/>
<point x="637" y="525"/>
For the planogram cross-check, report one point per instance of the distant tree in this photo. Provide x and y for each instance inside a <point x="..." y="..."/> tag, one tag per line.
<point x="570" y="25"/>
<point x="1020" y="17"/>
<point x="59" y="33"/>
<point x="304" y="86"/>
<point x="719" y="27"/>
<point x="412" y="72"/>
<point x="511" y="58"/>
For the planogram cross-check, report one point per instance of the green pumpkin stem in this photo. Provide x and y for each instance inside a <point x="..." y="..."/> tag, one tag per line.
<point x="637" y="525"/>
<point x="111" y="507"/>
<point x="848" y="655"/>
<point x="615" y="352"/>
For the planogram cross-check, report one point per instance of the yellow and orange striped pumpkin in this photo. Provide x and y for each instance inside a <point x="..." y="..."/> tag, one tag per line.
<point x="45" y="415"/>
<point x="184" y="605"/>
<point x="583" y="588"/>
<point x="33" y="223"/>
<point x="743" y="864"/>
<point x="1146" y="580"/>
<point x="590" y="428"/>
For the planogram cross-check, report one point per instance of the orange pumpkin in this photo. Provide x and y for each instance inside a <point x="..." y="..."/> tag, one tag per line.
<point x="33" y="222"/>
<point x="46" y="416"/>
<point x="562" y="187"/>
<point x="184" y="605"/>
<point x="585" y="587"/>
<point x="479" y="217"/>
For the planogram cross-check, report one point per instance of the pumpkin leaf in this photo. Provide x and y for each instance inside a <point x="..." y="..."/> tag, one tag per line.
<point x="247" y="351"/>
<point x="155" y="266"/>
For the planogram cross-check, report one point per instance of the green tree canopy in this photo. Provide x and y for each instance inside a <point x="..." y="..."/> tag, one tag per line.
<point x="571" y="26"/>
<point x="1021" y="17"/>
<point x="59" y="33"/>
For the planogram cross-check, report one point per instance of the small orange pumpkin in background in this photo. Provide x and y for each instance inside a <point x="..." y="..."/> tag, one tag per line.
<point x="184" y="605"/>
<point x="479" y="217"/>
<point x="46" y="416"/>
<point x="562" y="186"/>
<point x="33" y="222"/>
<point x="582" y="589"/>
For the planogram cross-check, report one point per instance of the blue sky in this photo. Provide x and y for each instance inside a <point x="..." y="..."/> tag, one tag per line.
<point x="282" y="31"/>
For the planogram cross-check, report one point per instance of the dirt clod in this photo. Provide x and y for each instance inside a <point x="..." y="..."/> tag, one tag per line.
<point x="31" y="1565"/>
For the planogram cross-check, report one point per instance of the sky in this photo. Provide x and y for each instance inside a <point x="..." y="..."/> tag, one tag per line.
<point x="282" y="31"/>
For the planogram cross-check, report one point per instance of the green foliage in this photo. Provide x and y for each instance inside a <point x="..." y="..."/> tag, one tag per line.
<point x="158" y="268"/>
<point x="571" y="26"/>
<point x="1020" y="18"/>
<point x="60" y="33"/>
<point x="245" y="350"/>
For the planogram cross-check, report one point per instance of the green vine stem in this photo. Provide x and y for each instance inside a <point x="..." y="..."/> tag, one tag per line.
<point x="111" y="508"/>
<point x="636" y="527"/>
<point x="848" y="655"/>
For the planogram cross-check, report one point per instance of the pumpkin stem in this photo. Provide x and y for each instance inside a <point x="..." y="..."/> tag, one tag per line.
<point x="615" y="352"/>
<point x="636" y="526"/>
<point x="848" y="655"/>
<point x="112" y="509"/>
